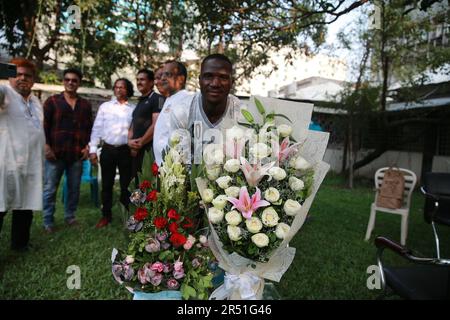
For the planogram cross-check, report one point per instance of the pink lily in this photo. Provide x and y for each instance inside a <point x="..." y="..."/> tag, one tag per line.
<point x="286" y="150"/>
<point x="247" y="205"/>
<point x="234" y="149"/>
<point x="254" y="173"/>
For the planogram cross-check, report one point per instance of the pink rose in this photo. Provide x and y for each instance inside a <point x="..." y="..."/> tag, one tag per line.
<point x="158" y="266"/>
<point x="153" y="245"/>
<point x="189" y="242"/>
<point x="178" y="266"/>
<point x="161" y="236"/>
<point x="172" y="284"/>
<point x="178" y="274"/>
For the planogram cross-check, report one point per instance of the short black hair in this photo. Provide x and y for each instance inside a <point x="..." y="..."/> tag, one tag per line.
<point x="75" y="71"/>
<point x="148" y="72"/>
<point x="128" y="84"/>
<point x="217" y="56"/>
<point x="180" y="66"/>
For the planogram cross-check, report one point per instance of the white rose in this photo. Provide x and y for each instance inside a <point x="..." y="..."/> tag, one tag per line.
<point x="292" y="207"/>
<point x="233" y="218"/>
<point x="253" y="224"/>
<point x="277" y="173"/>
<point x="284" y="130"/>
<point x="213" y="154"/>
<point x="235" y="133"/>
<point x="261" y="240"/>
<point x="272" y="195"/>
<point x="215" y="215"/>
<point x="203" y="239"/>
<point x="270" y="217"/>
<point x="260" y="150"/>
<point x="299" y="163"/>
<point x="296" y="184"/>
<point x="232" y="165"/>
<point x="232" y="191"/>
<point x="282" y="230"/>
<point x="213" y="173"/>
<point x="175" y="139"/>
<point x="234" y="233"/>
<point x="207" y="195"/>
<point x="223" y="181"/>
<point x="220" y="201"/>
<point x="129" y="259"/>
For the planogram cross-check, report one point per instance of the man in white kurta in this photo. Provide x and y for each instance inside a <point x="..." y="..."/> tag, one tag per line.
<point x="21" y="153"/>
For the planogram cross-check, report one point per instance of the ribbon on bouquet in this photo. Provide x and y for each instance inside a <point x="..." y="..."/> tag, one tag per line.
<point x="244" y="286"/>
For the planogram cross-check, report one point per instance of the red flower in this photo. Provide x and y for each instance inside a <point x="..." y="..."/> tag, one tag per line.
<point x="172" y="214"/>
<point x="145" y="185"/>
<point x="173" y="227"/>
<point x="155" y="169"/>
<point x="140" y="214"/>
<point x="188" y="223"/>
<point x="177" y="239"/>
<point x="160" y="222"/>
<point x="152" y="196"/>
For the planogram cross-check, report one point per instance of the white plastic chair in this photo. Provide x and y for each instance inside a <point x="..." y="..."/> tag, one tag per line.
<point x="410" y="182"/>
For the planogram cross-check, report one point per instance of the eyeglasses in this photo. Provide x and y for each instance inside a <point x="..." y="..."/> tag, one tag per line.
<point x="71" y="80"/>
<point x="168" y="75"/>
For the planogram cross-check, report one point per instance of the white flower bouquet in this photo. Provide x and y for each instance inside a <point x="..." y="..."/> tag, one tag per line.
<point x="257" y="189"/>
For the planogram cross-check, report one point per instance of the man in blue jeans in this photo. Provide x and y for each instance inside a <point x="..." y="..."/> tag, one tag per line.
<point x="67" y="126"/>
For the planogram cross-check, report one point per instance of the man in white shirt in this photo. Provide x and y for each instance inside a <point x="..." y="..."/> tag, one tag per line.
<point x="111" y="126"/>
<point x="211" y="108"/>
<point x="22" y="142"/>
<point x="173" y="81"/>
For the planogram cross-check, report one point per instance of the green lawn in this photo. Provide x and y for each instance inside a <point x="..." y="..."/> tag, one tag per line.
<point x="330" y="263"/>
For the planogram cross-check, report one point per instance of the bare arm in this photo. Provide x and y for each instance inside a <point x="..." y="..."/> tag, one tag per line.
<point x="148" y="135"/>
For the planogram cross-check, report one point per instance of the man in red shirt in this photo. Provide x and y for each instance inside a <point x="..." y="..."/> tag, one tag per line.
<point x="67" y="125"/>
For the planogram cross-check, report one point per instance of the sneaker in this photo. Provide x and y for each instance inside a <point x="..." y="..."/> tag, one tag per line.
<point x="71" y="222"/>
<point x="103" y="222"/>
<point x="49" y="229"/>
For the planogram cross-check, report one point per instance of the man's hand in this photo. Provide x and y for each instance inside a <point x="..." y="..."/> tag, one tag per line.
<point x="135" y="143"/>
<point x="93" y="158"/>
<point x="49" y="154"/>
<point x="134" y="152"/>
<point x="85" y="153"/>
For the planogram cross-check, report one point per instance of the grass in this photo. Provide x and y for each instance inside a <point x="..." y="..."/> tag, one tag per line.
<point x="330" y="263"/>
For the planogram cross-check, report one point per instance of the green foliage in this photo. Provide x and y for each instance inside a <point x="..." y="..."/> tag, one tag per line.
<point x="49" y="77"/>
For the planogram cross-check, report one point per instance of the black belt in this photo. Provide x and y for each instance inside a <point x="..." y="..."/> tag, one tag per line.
<point x="111" y="146"/>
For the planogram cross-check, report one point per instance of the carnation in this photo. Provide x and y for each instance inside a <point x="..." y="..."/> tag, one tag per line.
<point x="215" y="215"/>
<point x="253" y="224"/>
<point x="270" y="217"/>
<point x="140" y="214"/>
<point x="260" y="240"/>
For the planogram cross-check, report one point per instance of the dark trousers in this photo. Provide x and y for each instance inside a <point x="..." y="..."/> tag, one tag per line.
<point x="20" y="228"/>
<point x="112" y="158"/>
<point x="137" y="166"/>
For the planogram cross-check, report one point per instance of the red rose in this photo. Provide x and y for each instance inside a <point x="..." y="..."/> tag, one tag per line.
<point x="140" y="214"/>
<point x="145" y="185"/>
<point x="172" y="214"/>
<point x="160" y="222"/>
<point x="155" y="169"/>
<point x="152" y="196"/>
<point x="177" y="239"/>
<point x="187" y="223"/>
<point x="173" y="227"/>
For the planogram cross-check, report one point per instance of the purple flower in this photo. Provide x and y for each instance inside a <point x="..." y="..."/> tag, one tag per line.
<point x="142" y="277"/>
<point x="156" y="279"/>
<point x="128" y="272"/>
<point x="134" y="225"/>
<point x="167" y="268"/>
<point x="178" y="266"/>
<point x="172" y="284"/>
<point x="137" y="197"/>
<point x="178" y="274"/>
<point x="157" y="266"/>
<point x="165" y="245"/>
<point x="162" y="236"/>
<point x="145" y="273"/>
<point x="196" y="263"/>
<point x="153" y="245"/>
<point x="117" y="270"/>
